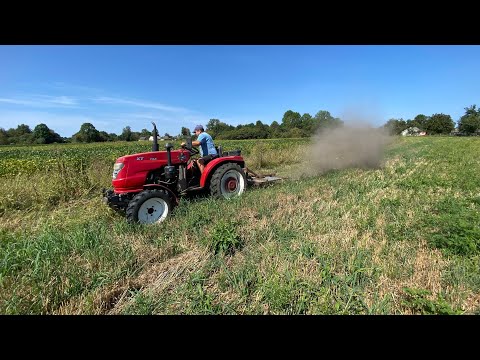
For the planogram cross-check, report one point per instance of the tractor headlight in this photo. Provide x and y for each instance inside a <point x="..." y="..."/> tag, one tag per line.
<point x="116" y="169"/>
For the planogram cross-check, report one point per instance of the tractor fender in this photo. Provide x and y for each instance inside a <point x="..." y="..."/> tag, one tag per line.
<point x="215" y="163"/>
<point x="157" y="186"/>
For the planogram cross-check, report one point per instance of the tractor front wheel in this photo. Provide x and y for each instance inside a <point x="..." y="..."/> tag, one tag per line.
<point x="228" y="181"/>
<point x="148" y="207"/>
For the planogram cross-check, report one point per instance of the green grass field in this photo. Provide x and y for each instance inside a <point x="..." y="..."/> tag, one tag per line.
<point x="402" y="238"/>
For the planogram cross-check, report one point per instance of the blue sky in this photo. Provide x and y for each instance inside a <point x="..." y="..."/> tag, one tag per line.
<point x="182" y="85"/>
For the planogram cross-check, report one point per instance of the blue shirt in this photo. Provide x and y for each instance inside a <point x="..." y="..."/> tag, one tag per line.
<point x="206" y="144"/>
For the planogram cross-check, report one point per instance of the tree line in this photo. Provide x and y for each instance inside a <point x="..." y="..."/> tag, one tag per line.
<point x="292" y="125"/>
<point x="468" y="124"/>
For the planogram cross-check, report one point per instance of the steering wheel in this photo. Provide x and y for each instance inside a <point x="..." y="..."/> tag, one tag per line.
<point x="192" y="150"/>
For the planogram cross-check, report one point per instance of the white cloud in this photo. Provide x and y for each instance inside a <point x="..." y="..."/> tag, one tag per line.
<point x="139" y="103"/>
<point x="71" y="88"/>
<point x="62" y="100"/>
<point x="17" y="102"/>
<point x="42" y="101"/>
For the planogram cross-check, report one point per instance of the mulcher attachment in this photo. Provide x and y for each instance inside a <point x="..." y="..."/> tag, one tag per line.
<point x="257" y="179"/>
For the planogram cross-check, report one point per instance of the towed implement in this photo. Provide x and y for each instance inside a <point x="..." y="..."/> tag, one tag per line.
<point x="147" y="186"/>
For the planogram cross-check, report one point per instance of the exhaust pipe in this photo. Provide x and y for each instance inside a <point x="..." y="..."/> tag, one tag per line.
<point x="170" y="171"/>
<point x="155" y="140"/>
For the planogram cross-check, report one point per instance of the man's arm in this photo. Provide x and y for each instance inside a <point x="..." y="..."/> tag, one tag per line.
<point x="199" y="140"/>
<point x="194" y="143"/>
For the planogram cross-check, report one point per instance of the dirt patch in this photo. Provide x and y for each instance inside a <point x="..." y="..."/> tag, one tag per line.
<point x="427" y="267"/>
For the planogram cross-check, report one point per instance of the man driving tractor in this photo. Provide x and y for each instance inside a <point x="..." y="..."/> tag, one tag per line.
<point x="206" y="145"/>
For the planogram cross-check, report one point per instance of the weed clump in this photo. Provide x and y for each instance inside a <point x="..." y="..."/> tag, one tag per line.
<point x="224" y="238"/>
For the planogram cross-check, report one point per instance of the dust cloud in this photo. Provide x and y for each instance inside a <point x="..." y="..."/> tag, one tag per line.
<point x="356" y="144"/>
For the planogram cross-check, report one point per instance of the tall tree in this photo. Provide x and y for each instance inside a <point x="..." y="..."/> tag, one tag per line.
<point x="395" y="126"/>
<point x="420" y="121"/>
<point x="216" y="127"/>
<point x="470" y="122"/>
<point x="22" y="129"/>
<point x="291" y="119"/>
<point x="306" y="123"/>
<point x="126" y="134"/>
<point x="145" y="133"/>
<point x="323" y="120"/>
<point x="86" y="134"/>
<point x="3" y="137"/>
<point x="212" y="125"/>
<point x="275" y="129"/>
<point x="21" y="135"/>
<point x="103" y="136"/>
<point x="439" y="124"/>
<point x="471" y="110"/>
<point x="43" y="135"/>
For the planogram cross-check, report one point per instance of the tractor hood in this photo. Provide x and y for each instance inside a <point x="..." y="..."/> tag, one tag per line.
<point x="130" y="171"/>
<point x="178" y="156"/>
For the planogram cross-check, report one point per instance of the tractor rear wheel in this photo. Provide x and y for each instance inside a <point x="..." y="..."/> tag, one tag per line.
<point x="228" y="181"/>
<point x="148" y="207"/>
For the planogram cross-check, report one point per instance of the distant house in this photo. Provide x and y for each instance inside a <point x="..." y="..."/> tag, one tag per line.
<point x="413" y="131"/>
<point x="151" y="138"/>
<point x="143" y="138"/>
<point x="456" y="132"/>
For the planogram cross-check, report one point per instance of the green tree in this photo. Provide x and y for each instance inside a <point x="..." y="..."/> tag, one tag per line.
<point x="323" y="120"/>
<point x="22" y="129"/>
<point x="185" y="132"/>
<point x="216" y="127"/>
<point x="470" y="122"/>
<point x="439" y="124"/>
<point x="295" y="133"/>
<point x="126" y="134"/>
<point x="262" y="130"/>
<point x="145" y="133"/>
<point x="420" y="121"/>
<point x="212" y="124"/>
<point x="87" y="134"/>
<point x="103" y="136"/>
<point x="43" y="135"/>
<point x="21" y="135"/>
<point x="3" y="137"/>
<point x="395" y="126"/>
<point x="471" y="110"/>
<point x="306" y="122"/>
<point x="291" y="119"/>
<point x="275" y="130"/>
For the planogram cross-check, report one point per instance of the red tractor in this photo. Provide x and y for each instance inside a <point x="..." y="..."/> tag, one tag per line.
<point x="147" y="186"/>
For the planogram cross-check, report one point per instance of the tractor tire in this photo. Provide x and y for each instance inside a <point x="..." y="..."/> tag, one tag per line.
<point x="228" y="181"/>
<point x="148" y="207"/>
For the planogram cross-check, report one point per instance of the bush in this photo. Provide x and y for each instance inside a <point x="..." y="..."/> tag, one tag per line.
<point x="224" y="238"/>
